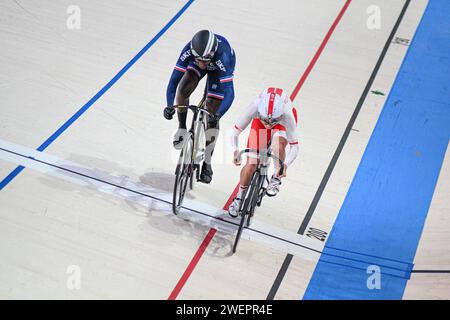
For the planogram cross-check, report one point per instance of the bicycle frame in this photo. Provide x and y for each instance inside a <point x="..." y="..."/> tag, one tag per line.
<point x="256" y="191"/>
<point x="191" y="155"/>
<point x="198" y="127"/>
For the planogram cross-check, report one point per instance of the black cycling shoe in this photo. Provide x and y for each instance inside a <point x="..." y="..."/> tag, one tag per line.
<point x="206" y="174"/>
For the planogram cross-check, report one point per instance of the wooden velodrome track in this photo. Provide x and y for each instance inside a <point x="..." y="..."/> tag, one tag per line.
<point x="86" y="105"/>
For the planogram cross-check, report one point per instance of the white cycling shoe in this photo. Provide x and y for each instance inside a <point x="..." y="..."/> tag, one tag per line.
<point x="233" y="209"/>
<point x="178" y="139"/>
<point x="273" y="187"/>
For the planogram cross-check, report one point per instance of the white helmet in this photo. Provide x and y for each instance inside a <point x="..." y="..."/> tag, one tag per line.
<point x="271" y="106"/>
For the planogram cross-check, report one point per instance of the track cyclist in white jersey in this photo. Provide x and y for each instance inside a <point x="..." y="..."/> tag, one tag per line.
<point x="274" y="124"/>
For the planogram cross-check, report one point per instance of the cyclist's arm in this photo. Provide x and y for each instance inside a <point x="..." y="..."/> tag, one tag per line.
<point x="177" y="74"/>
<point x="243" y="122"/>
<point x="292" y="154"/>
<point x="291" y="132"/>
<point x="172" y="86"/>
<point x="226" y="81"/>
<point x="227" y="99"/>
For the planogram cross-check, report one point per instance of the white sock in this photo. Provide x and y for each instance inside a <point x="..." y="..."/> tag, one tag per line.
<point x="241" y="191"/>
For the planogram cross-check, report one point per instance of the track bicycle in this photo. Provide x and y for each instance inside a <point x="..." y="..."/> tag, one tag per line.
<point x="192" y="154"/>
<point x="256" y="189"/>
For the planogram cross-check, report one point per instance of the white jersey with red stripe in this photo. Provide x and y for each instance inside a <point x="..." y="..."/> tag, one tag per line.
<point x="288" y="121"/>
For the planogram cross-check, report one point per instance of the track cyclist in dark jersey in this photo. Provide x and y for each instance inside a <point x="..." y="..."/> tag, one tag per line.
<point x="206" y="54"/>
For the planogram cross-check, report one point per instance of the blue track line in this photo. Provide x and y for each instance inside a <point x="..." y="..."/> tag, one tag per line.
<point x="386" y="206"/>
<point x="97" y="96"/>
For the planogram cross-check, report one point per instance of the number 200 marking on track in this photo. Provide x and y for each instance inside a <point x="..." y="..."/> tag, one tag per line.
<point x="317" y="234"/>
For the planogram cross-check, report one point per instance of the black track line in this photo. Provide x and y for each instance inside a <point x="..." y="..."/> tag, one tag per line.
<point x="337" y="153"/>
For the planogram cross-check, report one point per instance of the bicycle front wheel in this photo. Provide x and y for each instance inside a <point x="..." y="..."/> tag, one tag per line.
<point x="244" y="216"/>
<point x="183" y="174"/>
<point x="247" y="208"/>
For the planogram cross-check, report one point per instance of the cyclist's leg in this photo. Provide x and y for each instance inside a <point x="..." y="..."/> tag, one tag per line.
<point x="212" y="129"/>
<point x="245" y="177"/>
<point x="187" y="85"/>
<point x="213" y="101"/>
<point x="257" y="140"/>
<point x="279" y="143"/>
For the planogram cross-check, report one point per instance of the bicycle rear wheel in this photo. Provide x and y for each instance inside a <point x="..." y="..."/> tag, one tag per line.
<point x="183" y="174"/>
<point x="247" y="207"/>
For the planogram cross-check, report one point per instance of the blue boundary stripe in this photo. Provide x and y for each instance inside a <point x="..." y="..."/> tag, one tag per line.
<point x="97" y="96"/>
<point x="387" y="204"/>
<point x="368" y="255"/>
<point x="402" y="275"/>
<point x="403" y="267"/>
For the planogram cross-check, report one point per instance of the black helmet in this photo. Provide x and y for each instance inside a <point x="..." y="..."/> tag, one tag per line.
<point x="204" y="45"/>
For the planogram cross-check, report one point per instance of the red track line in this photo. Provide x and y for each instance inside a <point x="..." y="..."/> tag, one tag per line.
<point x="294" y="93"/>
<point x="319" y="51"/>
<point x="304" y="77"/>
<point x="192" y="265"/>
<point x="231" y="198"/>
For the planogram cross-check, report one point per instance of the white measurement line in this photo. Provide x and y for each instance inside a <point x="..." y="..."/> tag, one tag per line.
<point x="142" y="194"/>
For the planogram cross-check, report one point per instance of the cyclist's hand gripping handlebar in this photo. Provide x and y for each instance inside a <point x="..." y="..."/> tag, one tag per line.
<point x="238" y="156"/>
<point x="169" y="112"/>
<point x="193" y="108"/>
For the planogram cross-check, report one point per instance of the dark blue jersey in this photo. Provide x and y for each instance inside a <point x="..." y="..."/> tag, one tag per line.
<point x="220" y="72"/>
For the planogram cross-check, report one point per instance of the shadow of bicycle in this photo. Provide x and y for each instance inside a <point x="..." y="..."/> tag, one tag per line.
<point x="148" y="197"/>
